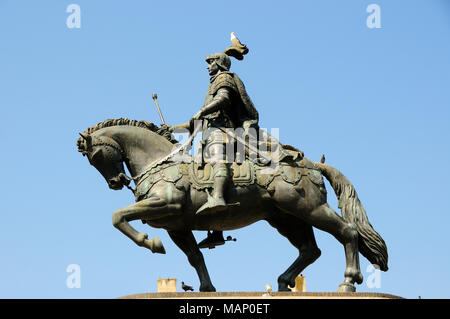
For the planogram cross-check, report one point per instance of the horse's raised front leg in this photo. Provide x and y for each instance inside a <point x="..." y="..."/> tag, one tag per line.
<point x="300" y="235"/>
<point x="185" y="240"/>
<point x="150" y="208"/>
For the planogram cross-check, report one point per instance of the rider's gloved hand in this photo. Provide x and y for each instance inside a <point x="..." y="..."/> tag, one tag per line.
<point x="248" y="124"/>
<point x="167" y="127"/>
<point x="196" y="117"/>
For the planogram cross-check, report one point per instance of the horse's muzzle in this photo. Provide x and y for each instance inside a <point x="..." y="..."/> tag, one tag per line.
<point x="117" y="183"/>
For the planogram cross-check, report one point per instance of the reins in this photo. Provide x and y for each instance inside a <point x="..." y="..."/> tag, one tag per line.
<point x="137" y="179"/>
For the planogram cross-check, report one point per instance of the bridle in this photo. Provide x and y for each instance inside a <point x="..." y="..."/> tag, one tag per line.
<point x="99" y="142"/>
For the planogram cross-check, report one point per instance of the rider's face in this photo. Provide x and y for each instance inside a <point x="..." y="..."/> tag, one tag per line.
<point x="212" y="67"/>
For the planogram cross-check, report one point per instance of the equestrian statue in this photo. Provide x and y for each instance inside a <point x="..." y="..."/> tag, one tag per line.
<point x="241" y="175"/>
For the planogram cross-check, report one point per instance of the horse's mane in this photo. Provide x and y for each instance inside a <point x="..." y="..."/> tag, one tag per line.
<point x="124" y="121"/>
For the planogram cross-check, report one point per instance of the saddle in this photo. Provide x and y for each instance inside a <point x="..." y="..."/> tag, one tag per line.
<point x="247" y="173"/>
<point x="289" y="163"/>
<point x="201" y="175"/>
<point x="291" y="166"/>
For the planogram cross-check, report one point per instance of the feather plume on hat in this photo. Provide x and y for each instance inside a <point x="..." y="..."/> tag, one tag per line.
<point x="237" y="50"/>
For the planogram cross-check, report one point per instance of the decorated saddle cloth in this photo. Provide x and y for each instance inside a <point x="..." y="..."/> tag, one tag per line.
<point x="292" y="168"/>
<point x="247" y="173"/>
<point x="201" y="175"/>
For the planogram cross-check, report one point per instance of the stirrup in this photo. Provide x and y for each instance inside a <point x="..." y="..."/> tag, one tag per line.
<point x="212" y="240"/>
<point x="212" y="206"/>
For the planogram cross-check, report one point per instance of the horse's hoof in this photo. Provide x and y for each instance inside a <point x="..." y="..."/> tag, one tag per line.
<point x="155" y="245"/>
<point x="359" y="279"/>
<point x="346" y="287"/>
<point x="210" y="288"/>
<point x="284" y="286"/>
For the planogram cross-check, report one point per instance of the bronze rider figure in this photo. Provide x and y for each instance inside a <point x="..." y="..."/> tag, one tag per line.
<point x="226" y="105"/>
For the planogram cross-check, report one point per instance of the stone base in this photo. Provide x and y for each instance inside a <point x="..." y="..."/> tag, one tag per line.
<point x="261" y="295"/>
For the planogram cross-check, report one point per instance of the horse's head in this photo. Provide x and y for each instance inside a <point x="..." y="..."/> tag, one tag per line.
<point x="106" y="155"/>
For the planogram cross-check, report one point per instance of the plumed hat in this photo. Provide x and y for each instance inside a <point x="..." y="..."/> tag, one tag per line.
<point x="237" y="50"/>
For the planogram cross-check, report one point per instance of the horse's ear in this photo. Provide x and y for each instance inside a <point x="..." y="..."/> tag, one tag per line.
<point x="87" y="138"/>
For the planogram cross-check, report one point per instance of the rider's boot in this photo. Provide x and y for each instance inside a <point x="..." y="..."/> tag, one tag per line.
<point x="216" y="202"/>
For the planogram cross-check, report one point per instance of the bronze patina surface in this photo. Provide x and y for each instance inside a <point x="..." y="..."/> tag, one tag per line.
<point x="217" y="195"/>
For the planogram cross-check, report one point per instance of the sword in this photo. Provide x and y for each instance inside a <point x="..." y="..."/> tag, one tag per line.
<point x="155" y="98"/>
<point x="249" y="145"/>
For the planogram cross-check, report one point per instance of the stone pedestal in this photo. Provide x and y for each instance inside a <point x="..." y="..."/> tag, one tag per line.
<point x="262" y="295"/>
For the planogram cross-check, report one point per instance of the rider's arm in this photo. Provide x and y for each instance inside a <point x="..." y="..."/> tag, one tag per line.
<point x="184" y="125"/>
<point x="221" y="100"/>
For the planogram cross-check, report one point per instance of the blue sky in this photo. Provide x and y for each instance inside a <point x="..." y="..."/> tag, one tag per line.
<point x="375" y="101"/>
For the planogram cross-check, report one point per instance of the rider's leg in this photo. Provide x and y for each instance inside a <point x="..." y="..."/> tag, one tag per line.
<point x="220" y="169"/>
<point x="220" y="173"/>
<point x="221" y="176"/>
<point x="220" y="183"/>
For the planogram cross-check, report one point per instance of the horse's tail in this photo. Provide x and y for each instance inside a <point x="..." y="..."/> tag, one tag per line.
<point x="370" y="243"/>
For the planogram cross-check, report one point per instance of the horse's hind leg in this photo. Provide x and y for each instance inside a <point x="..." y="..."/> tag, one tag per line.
<point x="300" y="235"/>
<point x="326" y="219"/>
<point x="185" y="240"/>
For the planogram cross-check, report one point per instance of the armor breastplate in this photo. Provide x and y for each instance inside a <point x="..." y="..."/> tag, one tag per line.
<point x="219" y="118"/>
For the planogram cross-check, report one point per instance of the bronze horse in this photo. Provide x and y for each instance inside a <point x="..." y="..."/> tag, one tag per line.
<point x="166" y="199"/>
